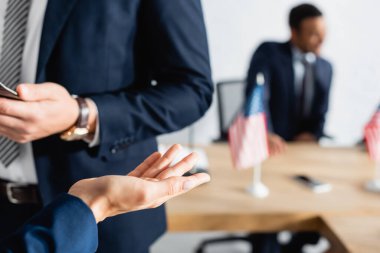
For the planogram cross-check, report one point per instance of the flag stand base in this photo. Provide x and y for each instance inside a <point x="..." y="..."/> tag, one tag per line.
<point x="373" y="185"/>
<point x="258" y="190"/>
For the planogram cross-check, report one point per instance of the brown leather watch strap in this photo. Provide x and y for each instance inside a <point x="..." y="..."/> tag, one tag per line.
<point x="84" y="112"/>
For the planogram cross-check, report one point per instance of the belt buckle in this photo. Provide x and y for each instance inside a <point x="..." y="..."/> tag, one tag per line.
<point x="9" y="191"/>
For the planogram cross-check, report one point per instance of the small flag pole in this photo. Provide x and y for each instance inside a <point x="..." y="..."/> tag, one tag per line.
<point x="257" y="188"/>
<point x="374" y="184"/>
<point x="248" y="138"/>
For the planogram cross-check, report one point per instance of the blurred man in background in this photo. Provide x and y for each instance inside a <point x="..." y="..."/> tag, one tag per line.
<point x="297" y="80"/>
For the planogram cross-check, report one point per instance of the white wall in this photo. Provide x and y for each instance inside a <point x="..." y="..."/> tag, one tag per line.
<point x="236" y="27"/>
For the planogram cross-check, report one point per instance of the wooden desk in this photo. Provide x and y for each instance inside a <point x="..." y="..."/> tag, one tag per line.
<point x="356" y="233"/>
<point x="224" y="205"/>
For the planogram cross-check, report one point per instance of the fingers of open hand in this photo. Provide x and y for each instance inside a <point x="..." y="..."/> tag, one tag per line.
<point x="144" y="166"/>
<point x="159" y="192"/>
<point x="175" y="186"/>
<point x="179" y="168"/>
<point x="163" y="162"/>
<point x="189" y="183"/>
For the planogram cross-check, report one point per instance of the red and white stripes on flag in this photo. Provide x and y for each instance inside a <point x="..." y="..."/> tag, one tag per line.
<point x="248" y="140"/>
<point x="375" y="120"/>
<point x="372" y="137"/>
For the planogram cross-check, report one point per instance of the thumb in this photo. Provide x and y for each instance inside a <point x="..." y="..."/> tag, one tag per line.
<point x="175" y="186"/>
<point x="38" y="92"/>
<point x="160" y="192"/>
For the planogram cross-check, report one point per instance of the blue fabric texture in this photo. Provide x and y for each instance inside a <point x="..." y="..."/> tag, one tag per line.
<point x="65" y="225"/>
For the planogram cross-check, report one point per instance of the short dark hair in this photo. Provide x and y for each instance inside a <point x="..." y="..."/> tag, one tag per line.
<point x="302" y="12"/>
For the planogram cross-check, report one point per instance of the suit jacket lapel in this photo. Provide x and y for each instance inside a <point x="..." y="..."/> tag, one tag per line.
<point x="57" y="12"/>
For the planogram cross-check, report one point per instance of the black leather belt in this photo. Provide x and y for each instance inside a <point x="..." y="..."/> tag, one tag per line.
<point x="18" y="193"/>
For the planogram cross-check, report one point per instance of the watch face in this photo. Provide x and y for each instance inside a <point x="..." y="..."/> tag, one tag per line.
<point x="80" y="132"/>
<point x="74" y="134"/>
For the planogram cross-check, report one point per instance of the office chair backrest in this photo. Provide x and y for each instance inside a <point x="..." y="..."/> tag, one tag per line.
<point x="230" y="99"/>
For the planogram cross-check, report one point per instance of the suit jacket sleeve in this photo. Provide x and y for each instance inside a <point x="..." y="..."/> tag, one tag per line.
<point x="173" y="51"/>
<point x="260" y="64"/>
<point x="66" y="225"/>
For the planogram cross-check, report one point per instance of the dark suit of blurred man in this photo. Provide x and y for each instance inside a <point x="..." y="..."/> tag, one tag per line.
<point x="298" y="80"/>
<point x="144" y="66"/>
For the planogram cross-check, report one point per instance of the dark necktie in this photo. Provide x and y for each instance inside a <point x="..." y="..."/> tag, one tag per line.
<point x="14" y="33"/>
<point x="306" y="86"/>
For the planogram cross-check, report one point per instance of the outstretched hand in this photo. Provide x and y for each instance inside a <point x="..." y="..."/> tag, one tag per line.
<point x="151" y="184"/>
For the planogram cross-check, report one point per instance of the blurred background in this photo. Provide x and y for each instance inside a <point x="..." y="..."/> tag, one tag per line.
<point x="236" y="27"/>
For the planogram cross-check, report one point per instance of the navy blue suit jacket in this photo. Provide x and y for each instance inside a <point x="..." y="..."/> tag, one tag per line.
<point x="113" y="51"/>
<point x="275" y="61"/>
<point x="66" y="225"/>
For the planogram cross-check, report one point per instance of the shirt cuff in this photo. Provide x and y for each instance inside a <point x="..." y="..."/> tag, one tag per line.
<point x="94" y="139"/>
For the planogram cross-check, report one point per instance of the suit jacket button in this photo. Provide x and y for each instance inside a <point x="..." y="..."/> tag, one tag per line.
<point x="113" y="150"/>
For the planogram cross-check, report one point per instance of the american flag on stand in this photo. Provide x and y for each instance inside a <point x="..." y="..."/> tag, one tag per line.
<point x="247" y="136"/>
<point x="372" y="136"/>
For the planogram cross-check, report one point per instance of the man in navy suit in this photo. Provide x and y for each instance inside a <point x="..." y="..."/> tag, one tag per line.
<point x="68" y="224"/>
<point x="297" y="80"/>
<point x="140" y="68"/>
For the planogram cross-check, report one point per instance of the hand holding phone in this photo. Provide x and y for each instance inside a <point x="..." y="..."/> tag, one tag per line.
<point x="314" y="184"/>
<point x="8" y="92"/>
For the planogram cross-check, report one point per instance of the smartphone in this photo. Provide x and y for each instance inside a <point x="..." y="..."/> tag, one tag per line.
<point x="313" y="184"/>
<point x="8" y="92"/>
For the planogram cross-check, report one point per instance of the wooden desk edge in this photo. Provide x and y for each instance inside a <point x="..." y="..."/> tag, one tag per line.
<point x="336" y="244"/>
<point x="243" y="222"/>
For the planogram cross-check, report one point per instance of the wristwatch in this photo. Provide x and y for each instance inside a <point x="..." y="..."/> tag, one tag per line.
<point x="80" y="129"/>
